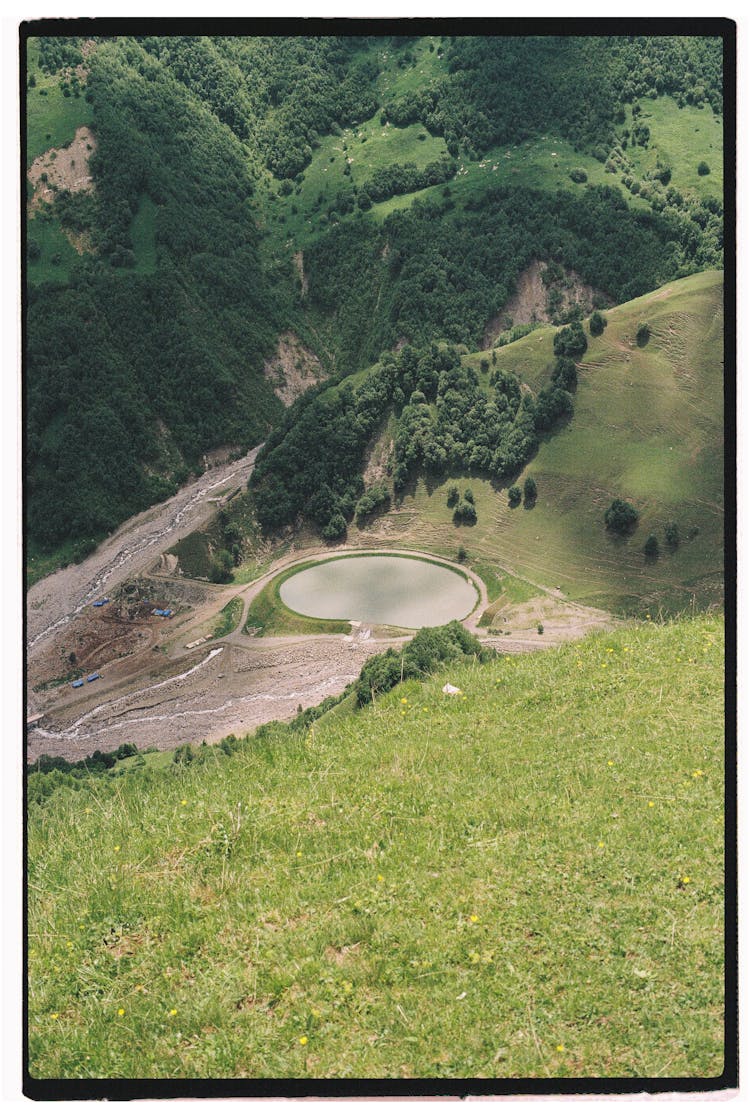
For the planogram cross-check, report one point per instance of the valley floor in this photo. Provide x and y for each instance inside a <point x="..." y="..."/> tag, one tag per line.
<point x="164" y="682"/>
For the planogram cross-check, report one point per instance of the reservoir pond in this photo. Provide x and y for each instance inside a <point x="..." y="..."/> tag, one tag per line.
<point x="392" y="590"/>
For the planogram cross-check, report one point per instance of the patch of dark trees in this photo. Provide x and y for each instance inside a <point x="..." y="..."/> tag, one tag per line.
<point x="420" y="657"/>
<point x="445" y="423"/>
<point x="502" y="89"/>
<point x="403" y="178"/>
<point x="130" y="376"/>
<point x="434" y="271"/>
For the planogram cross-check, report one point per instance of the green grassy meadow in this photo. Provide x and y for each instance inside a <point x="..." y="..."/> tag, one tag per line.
<point x="523" y="880"/>
<point x="268" y="616"/>
<point x="51" y="122"/>
<point x="647" y="427"/>
<point x="682" y="138"/>
<point x="143" y="236"/>
<point x="51" y="118"/>
<point x="227" y="619"/>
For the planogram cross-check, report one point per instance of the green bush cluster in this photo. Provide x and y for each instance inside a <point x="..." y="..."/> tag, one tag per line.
<point x="403" y="178"/>
<point x="49" y="773"/>
<point x="374" y="499"/>
<point x="621" y="517"/>
<point x="418" y="658"/>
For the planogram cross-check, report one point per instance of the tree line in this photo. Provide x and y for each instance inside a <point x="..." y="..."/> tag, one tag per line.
<point x="444" y="422"/>
<point x="435" y="271"/>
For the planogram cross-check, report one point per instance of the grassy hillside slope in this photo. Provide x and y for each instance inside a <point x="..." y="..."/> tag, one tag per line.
<point x="680" y="138"/>
<point x="522" y="880"/>
<point x="647" y="427"/>
<point x="51" y="118"/>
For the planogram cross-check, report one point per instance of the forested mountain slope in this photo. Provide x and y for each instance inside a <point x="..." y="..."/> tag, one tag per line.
<point x="342" y="188"/>
<point x="631" y="411"/>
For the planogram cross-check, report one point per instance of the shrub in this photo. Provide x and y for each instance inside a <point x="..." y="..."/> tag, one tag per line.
<point x="461" y="554"/>
<point x="651" y="547"/>
<point x="529" y="490"/>
<point x="642" y="334"/>
<point x="597" y="323"/>
<point x="183" y="755"/>
<point x="453" y="496"/>
<point x="376" y="497"/>
<point x="672" y="535"/>
<point x="703" y="168"/>
<point x="565" y="374"/>
<point x="420" y="657"/>
<point x="514" y="496"/>
<point x="578" y="175"/>
<point x="621" y="517"/>
<point x="82" y="549"/>
<point x="465" y="513"/>
<point x="570" y="341"/>
<point x="221" y="568"/>
<point x="335" y="528"/>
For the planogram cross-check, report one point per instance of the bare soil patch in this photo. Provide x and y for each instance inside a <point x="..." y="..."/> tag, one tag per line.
<point x="377" y="456"/>
<point x="561" y="620"/>
<point x="64" y="168"/>
<point x="299" y="264"/>
<point x="530" y="302"/>
<point x="293" y="368"/>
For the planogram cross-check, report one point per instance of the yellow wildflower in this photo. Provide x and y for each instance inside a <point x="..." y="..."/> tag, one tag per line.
<point x="303" y="1041"/>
